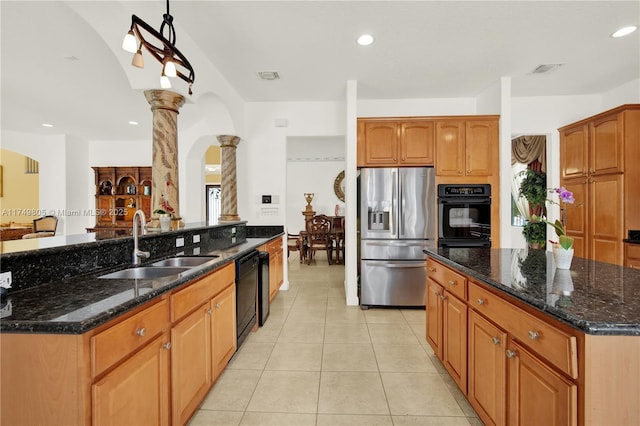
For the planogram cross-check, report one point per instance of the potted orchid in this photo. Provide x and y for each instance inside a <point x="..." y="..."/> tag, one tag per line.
<point x="563" y="248"/>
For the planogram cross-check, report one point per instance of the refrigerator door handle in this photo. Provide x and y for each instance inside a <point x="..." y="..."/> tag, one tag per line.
<point x="400" y="207"/>
<point x="394" y="203"/>
<point x="396" y="243"/>
<point x="402" y="264"/>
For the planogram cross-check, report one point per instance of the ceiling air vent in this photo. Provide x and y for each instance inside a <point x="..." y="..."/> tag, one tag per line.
<point x="545" y="68"/>
<point x="268" y="75"/>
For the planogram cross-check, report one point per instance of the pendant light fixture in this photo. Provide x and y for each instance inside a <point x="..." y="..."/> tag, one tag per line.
<point x="162" y="47"/>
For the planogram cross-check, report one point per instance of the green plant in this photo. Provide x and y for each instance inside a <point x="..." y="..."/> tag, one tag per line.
<point x="159" y="211"/>
<point x="534" y="188"/>
<point x="535" y="233"/>
<point x="565" y="197"/>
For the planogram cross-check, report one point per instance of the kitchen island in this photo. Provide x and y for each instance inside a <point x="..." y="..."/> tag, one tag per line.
<point x="80" y="349"/>
<point x="524" y="340"/>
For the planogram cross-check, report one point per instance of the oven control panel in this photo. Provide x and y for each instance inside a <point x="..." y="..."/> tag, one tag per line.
<point x="462" y="190"/>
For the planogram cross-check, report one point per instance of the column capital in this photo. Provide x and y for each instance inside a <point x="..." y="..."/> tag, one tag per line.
<point x="228" y="140"/>
<point x="164" y="99"/>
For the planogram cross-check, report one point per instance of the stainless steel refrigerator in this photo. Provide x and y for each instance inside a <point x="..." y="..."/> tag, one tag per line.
<point x="397" y="221"/>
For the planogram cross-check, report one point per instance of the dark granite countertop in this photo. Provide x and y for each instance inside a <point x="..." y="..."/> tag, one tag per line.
<point x="80" y="303"/>
<point x="594" y="297"/>
<point x="628" y="241"/>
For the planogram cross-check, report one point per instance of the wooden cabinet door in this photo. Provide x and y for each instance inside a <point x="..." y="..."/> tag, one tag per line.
<point x="434" y="316"/>
<point x="450" y="148"/>
<point x="416" y="143"/>
<point x="481" y="138"/>
<point x="487" y="370"/>
<point x="223" y="329"/>
<point x="605" y="146"/>
<point x="381" y="143"/>
<point x="574" y="151"/>
<point x="104" y="206"/>
<point x="190" y="363"/>
<point x="537" y="394"/>
<point x="606" y="218"/>
<point x="454" y="354"/>
<point x="576" y="219"/>
<point x="137" y="391"/>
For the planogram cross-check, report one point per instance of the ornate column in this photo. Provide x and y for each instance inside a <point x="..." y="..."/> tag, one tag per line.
<point x="228" y="184"/>
<point x="164" y="190"/>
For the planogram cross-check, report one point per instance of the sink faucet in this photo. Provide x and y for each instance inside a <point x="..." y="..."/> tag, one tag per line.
<point x="137" y="253"/>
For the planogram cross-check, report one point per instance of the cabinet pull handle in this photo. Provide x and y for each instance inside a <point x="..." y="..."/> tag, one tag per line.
<point x="167" y="346"/>
<point x="495" y="340"/>
<point x="481" y="301"/>
<point x="141" y="331"/>
<point x="432" y="269"/>
<point x="533" y="335"/>
<point x="437" y="293"/>
<point x="511" y="354"/>
<point x="452" y="283"/>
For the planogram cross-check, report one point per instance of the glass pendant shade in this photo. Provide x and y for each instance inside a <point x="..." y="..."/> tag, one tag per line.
<point x="170" y="69"/>
<point x="164" y="82"/>
<point x="130" y="44"/>
<point x="138" y="61"/>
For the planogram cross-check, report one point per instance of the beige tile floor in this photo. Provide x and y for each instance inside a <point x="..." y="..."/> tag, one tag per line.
<point x="319" y="362"/>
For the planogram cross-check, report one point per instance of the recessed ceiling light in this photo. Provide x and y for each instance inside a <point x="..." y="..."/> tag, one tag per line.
<point x="134" y="123"/>
<point x="365" y="40"/>
<point x="47" y="125"/>
<point x="624" y="31"/>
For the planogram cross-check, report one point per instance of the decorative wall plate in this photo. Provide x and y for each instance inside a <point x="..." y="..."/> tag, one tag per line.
<point x="338" y="186"/>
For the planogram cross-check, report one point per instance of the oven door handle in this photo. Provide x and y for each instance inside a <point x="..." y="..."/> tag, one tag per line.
<point x="470" y="200"/>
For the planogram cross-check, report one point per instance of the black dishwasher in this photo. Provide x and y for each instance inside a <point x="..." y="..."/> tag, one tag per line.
<point x="246" y="294"/>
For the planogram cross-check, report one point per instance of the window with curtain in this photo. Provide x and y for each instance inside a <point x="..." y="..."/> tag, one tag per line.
<point x="527" y="152"/>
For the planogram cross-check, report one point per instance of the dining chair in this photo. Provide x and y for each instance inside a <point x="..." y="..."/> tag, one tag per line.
<point x="319" y="237"/>
<point x="44" y="226"/>
<point x="296" y="242"/>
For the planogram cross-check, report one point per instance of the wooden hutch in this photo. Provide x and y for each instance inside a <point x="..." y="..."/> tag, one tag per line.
<point x="120" y="191"/>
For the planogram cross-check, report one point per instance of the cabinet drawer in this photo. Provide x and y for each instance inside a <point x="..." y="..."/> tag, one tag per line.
<point x="632" y="256"/>
<point x="115" y="343"/>
<point x="274" y="245"/>
<point x="452" y="281"/>
<point x="553" y="344"/>
<point x="186" y="300"/>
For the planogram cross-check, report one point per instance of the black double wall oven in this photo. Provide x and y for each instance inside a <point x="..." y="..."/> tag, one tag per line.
<point x="464" y="215"/>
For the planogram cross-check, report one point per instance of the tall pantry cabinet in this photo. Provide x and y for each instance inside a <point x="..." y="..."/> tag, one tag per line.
<point x="600" y="164"/>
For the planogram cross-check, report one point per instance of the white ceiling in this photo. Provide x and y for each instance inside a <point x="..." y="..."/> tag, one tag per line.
<point x="423" y="49"/>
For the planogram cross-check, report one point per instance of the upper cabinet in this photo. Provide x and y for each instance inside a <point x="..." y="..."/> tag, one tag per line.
<point x="599" y="164"/>
<point x="395" y="142"/>
<point x="466" y="146"/>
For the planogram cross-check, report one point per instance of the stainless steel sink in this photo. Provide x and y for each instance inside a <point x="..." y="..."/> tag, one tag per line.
<point x="188" y="261"/>
<point x="145" y="273"/>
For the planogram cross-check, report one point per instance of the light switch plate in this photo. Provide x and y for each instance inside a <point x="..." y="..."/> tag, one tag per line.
<point x="196" y="238"/>
<point x="180" y="242"/>
<point x="5" y="279"/>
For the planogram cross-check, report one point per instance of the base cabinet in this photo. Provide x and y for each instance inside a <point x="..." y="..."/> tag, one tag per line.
<point x="537" y="394"/>
<point x="152" y="366"/>
<point x="487" y="370"/>
<point x="137" y="391"/>
<point x="276" y="265"/>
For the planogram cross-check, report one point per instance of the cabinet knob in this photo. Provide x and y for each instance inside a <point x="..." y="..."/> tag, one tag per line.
<point x="511" y="354"/>
<point x="452" y="283"/>
<point x="141" y="331"/>
<point x="432" y="269"/>
<point x="167" y="346"/>
<point x="438" y="293"/>
<point x="495" y="340"/>
<point x="459" y="172"/>
<point x="480" y="301"/>
<point x="217" y="306"/>
<point x="209" y="311"/>
<point x="443" y="297"/>
<point x="469" y="171"/>
<point x="533" y="335"/>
